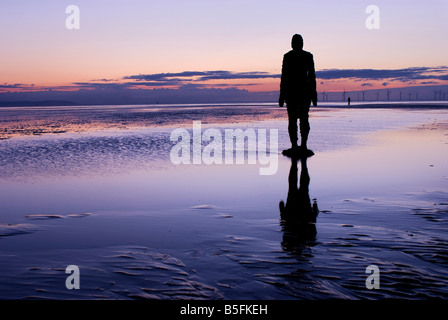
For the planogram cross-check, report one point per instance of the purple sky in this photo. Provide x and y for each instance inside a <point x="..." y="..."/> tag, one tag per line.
<point x="125" y="46"/>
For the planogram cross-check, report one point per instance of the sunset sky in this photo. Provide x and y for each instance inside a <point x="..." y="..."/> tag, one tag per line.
<point x="218" y="44"/>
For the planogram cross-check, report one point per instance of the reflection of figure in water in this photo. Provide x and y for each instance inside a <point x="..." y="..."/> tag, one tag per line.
<point x="298" y="215"/>
<point x="298" y="89"/>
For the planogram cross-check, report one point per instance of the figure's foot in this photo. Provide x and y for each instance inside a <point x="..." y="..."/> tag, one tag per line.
<point x="298" y="152"/>
<point x="291" y="151"/>
<point x="306" y="152"/>
<point x="293" y="148"/>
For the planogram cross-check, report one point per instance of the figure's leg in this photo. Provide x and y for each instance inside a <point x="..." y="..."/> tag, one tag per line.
<point x="303" y="115"/>
<point x="292" y="127"/>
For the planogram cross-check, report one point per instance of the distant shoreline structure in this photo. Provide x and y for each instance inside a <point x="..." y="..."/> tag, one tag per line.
<point x="418" y="94"/>
<point x="326" y="104"/>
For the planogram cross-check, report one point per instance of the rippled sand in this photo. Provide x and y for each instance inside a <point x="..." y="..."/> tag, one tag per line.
<point x="140" y="227"/>
<point x="25" y="121"/>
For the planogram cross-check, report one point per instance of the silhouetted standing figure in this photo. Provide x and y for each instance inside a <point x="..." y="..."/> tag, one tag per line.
<point x="348" y="100"/>
<point x="298" y="90"/>
<point x="298" y="215"/>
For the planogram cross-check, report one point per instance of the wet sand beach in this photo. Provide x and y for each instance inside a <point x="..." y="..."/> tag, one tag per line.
<point x="95" y="187"/>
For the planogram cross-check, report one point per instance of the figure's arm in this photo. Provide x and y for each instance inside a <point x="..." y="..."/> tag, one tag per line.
<point x="312" y="81"/>
<point x="281" y="99"/>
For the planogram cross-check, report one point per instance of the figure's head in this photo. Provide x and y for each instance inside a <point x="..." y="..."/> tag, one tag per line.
<point x="297" y="42"/>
